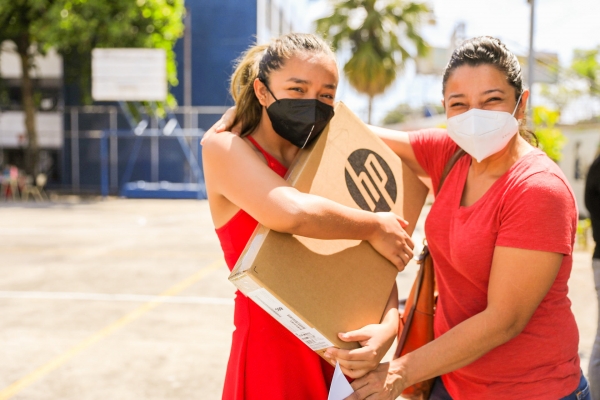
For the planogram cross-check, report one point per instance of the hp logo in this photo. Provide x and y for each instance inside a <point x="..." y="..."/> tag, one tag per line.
<point x="370" y="181"/>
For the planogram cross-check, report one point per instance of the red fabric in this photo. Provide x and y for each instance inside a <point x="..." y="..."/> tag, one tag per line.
<point x="530" y="207"/>
<point x="267" y="362"/>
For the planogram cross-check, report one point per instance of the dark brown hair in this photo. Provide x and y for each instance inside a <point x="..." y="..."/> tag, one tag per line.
<point x="258" y="62"/>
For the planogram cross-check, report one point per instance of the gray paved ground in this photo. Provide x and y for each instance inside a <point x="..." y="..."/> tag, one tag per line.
<point x="80" y="316"/>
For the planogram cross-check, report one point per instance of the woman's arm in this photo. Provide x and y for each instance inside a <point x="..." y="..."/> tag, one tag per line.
<point x="399" y="142"/>
<point x="234" y="171"/>
<point x="375" y="339"/>
<point x="396" y="140"/>
<point x="519" y="280"/>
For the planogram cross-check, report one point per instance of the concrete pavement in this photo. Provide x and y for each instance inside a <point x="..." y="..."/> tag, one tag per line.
<point x="129" y="299"/>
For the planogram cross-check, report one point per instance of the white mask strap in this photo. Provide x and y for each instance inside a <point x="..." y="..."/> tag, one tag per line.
<point x="517" y="106"/>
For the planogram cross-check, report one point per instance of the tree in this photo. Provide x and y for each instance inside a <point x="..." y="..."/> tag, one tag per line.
<point x="578" y="84"/>
<point x="586" y="63"/>
<point x="404" y="111"/>
<point x="398" y="114"/>
<point x="82" y="25"/>
<point x="17" y="18"/>
<point x="378" y="32"/>
<point x="550" y="139"/>
<point x="74" y="28"/>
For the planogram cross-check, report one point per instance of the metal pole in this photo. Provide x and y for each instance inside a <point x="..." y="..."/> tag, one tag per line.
<point x="154" y="152"/>
<point x="75" y="149"/>
<point x="531" y="60"/>
<point x="104" y="164"/>
<point x="187" y="59"/>
<point x="114" y="152"/>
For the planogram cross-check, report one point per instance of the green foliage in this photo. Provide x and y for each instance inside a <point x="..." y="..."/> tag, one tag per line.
<point x="16" y="17"/>
<point x="75" y="27"/>
<point x="560" y="95"/>
<point x="378" y="32"/>
<point x="585" y="68"/>
<point x="550" y="139"/>
<point x="586" y="63"/>
<point x="402" y="111"/>
<point x="398" y="114"/>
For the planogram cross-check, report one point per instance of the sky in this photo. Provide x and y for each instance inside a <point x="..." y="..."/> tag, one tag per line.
<point x="560" y="27"/>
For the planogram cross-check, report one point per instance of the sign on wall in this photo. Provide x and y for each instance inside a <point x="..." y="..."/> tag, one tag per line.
<point x="129" y="74"/>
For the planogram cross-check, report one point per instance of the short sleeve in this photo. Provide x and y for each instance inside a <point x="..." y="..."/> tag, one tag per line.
<point x="540" y="213"/>
<point x="433" y="148"/>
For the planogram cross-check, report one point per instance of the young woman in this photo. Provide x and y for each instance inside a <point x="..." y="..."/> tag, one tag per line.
<point x="284" y="93"/>
<point x="501" y="234"/>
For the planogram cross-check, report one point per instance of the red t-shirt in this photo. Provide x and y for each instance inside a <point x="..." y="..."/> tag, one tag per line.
<point x="530" y="207"/>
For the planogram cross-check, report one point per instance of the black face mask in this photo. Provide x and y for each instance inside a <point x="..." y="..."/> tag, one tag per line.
<point x="299" y="121"/>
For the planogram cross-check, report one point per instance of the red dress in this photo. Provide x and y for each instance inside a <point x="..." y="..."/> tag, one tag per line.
<point x="267" y="362"/>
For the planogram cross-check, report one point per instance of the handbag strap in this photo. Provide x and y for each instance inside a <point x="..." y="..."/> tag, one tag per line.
<point x="413" y="307"/>
<point x="411" y="311"/>
<point x="424" y="254"/>
<point x="451" y="162"/>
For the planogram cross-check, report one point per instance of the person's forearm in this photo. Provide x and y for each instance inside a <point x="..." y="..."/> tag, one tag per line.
<point x="457" y="348"/>
<point x="320" y="218"/>
<point x="399" y="143"/>
<point x="391" y="319"/>
<point x="390" y="315"/>
<point x="317" y="217"/>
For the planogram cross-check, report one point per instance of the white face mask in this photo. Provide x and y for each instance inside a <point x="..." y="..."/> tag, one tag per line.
<point x="482" y="133"/>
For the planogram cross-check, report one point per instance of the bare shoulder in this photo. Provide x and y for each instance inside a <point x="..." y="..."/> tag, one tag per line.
<point x="220" y="141"/>
<point x="224" y="146"/>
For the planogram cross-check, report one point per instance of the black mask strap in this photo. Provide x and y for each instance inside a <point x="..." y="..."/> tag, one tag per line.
<point x="267" y="86"/>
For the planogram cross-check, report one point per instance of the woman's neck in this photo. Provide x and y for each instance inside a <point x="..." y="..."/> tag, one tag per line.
<point x="497" y="164"/>
<point x="272" y="143"/>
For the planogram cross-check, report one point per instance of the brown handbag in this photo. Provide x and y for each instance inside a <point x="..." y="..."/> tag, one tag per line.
<point x="416" y="321"/>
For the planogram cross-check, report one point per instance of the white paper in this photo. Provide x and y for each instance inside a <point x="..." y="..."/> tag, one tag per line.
<point x="340" y="388"/>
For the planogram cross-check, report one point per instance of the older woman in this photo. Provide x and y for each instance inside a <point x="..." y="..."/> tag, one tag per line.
<point x="501" y="234"/>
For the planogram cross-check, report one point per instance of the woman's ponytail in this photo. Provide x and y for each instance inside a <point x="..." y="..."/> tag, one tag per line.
<point x="248" y="109"/>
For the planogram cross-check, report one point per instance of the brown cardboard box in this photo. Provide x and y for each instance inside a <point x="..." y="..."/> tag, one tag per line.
<point x="317" y="288"/>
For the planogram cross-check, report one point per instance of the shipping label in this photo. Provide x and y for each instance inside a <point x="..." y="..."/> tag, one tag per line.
<point x="310" y="336"/>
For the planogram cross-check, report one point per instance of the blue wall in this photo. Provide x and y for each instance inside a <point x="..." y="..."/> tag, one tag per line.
<point x="221" y="31"/>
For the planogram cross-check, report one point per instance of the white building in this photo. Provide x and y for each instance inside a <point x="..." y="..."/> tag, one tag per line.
<point x="583" y="145"/>
<point x="47" y="77"/>
<point x="278" y="17"/>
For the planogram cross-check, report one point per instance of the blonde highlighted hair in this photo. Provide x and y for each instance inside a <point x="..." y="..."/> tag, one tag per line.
<point x="258" y="62"/>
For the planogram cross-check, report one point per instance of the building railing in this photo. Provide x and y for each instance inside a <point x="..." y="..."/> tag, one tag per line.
<point x="97" y="137"/>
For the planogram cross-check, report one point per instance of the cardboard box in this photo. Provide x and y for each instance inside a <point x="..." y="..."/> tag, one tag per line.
<point x="317" y="288"/>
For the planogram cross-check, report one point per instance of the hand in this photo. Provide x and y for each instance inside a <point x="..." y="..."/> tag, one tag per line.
<point x="376" y="340"/>
<point x="392" y="241"/>
<point x="223" y="124"/>
<point x="384" y="383"/>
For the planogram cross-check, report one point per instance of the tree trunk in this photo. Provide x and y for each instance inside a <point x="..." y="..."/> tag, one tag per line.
<point x="32" y="150"/>
<point x="370" y="110"/>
